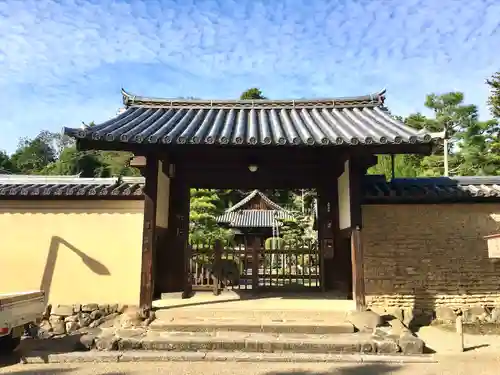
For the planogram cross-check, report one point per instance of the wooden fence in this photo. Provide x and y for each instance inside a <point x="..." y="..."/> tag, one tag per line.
<point x="216" y="266"/>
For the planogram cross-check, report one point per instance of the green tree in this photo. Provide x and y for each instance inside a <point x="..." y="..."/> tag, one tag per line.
<point x="252" y="93"/>
<point x="205" y="206"/>
<point x="83" y="163"/>
<point x="6" y="165"/>
<point x="295" y="230"/>
<point x="33" y="155"/>
<point x="56" y="154"/>
<point x="453" y="117"/>
<point x="494" y="98"/>
<point x="404" y="166"/>
<point x="478" y="154"/>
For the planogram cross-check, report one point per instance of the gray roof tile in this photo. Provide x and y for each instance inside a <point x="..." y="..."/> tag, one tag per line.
<point x="15" y="186"/>
<point x="254" y="218"/>
<point x="431" y="190"/>
<point x="352" y="121"/>
<point x="376" y="190"/>
<point x="252" y="195"/>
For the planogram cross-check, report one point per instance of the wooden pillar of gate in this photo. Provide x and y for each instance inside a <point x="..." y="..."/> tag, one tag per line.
<point x="327" y="222"/>
<point x="255" y="249"/>
<point x="358" y="276"/>
<point x="178" y="266"/>
<point x="356" y="173"/>
<point x="149" y="170"/>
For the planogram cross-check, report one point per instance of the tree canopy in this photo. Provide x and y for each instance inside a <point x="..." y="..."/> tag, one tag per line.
<point x="252" y="93"/>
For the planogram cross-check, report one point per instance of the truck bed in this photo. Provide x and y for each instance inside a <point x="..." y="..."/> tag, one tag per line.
<point x="10" y="298"/>
<point x="18" y="309"/>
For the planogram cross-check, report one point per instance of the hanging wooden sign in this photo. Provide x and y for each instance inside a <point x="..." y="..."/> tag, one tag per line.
<point x="493" y="242"/>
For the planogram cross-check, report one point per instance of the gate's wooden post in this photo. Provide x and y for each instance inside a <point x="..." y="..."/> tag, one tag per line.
<point x="216" y="265"/>
<point x="358" y="275"/>
<point x="183" y="236"/>
<point x="255" y="244"/>
<point x="150" y="172"/>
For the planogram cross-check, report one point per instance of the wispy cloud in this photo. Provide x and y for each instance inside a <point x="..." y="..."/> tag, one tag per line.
<point x="63" y="62"/>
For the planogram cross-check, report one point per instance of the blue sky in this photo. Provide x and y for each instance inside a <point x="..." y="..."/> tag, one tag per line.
<point x="64" y="62"/>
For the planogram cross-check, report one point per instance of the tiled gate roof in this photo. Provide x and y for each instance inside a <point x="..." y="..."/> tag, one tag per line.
<point x="360" y="120"/>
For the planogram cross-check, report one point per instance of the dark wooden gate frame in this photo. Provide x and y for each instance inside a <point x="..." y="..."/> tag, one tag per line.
<point x="219" y="162"/>
<point x="299" y="167"/>
<point x="228" y="168"/>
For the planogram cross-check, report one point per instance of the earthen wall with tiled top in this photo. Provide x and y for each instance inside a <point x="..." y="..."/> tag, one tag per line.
<point x="425" y="256"/>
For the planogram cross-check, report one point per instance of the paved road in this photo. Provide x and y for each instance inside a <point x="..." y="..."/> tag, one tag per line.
<point x="448" y="366"/>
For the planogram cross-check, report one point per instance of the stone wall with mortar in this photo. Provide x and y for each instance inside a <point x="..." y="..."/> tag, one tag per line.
<point x="61" y="320"/>
<point x="428" y="256"/>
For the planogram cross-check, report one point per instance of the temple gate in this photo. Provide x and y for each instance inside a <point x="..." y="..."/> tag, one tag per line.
<point x="325" y="144"/>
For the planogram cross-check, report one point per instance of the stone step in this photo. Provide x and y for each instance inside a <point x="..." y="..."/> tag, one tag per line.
<point x="254" y="342"/>
<point x="251" y="326"/>
<point x="247" y="315"/>
<point x="230" y="341"/>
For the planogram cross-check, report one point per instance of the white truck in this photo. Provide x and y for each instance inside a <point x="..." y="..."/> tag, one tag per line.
<point x="17" y="311"/>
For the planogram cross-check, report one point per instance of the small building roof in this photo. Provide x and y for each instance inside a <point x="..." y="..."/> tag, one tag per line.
<point x="252" y="195"/>
<point x="358" y="120"/>
<point x="238" y="217"/>
<point x="254" y="218"/>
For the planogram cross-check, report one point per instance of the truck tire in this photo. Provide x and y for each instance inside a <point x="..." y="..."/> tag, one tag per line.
<point x="9" y="343"/>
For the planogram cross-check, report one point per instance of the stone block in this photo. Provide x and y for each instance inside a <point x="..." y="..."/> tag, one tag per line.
<point x="410" y="344"/>
<point x="87" y="341"/>
<point x="475" y="314"/>
<point x="71" y="318"/>
<point x="62" y="310"/>
<point x="57" y="324"/>
<point x="398" y="328"/>
<point x="495" y="315"/>
<point x="96" y="314"/>
<point x="131" y="343"/>
<point x="445" y="314"/>
<point x="72" y="327"/>
<point x="84" y="319"/>
<point x="364" y="321"/>
<point x="45" y="330"/>
<point x="107" y="342"/>
<point x="104" y="308"/>
<point x="131" y="317"/>
<point x="90" y="307"/>
<point x="77" y="308"/>
<point x="385" y="345"/>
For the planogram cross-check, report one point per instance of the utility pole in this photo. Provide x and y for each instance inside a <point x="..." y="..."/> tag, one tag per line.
<point x="445" y="145"/>
<point x="303" y="205"/>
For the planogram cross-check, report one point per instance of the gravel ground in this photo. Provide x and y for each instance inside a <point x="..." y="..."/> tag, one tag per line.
<point x="448" y="366"/>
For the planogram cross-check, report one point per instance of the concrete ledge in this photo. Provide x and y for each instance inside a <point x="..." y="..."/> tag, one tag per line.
<point x="167" y="356"/>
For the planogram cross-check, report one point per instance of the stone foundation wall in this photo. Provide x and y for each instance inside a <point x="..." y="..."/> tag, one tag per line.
<point x="428" y="256"/>
<point x="61" y="320"/>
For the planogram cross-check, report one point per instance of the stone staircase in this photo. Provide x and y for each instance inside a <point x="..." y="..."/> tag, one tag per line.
<point x="257" y="331"/>
<point x="268" y="331"/>
<point x="258" y="326"/>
